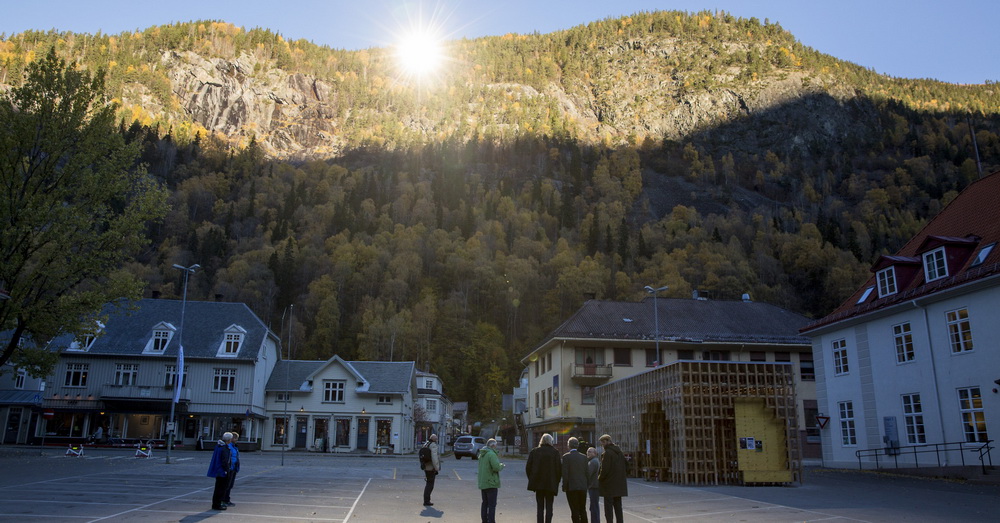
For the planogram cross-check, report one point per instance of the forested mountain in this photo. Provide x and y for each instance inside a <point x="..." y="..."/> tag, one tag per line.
<point x="456" y="222"/>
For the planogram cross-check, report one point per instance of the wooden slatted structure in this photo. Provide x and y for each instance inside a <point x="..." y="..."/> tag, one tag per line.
<point x="679" y="424"/>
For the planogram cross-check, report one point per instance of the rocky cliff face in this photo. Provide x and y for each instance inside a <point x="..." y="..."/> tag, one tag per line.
<point x="639" y="94"/>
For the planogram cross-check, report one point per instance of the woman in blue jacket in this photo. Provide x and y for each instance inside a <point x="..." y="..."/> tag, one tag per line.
<point x="219" y="468"/>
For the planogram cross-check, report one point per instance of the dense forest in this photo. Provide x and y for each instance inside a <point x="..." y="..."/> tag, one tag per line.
<point x="456" y="224"/>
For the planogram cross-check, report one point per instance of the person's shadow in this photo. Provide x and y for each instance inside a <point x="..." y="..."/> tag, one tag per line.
<point x="195" y="518"/>
<point x="431" y="512"/>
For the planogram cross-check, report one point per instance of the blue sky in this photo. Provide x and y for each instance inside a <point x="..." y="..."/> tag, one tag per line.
<point x="954" y="41"/>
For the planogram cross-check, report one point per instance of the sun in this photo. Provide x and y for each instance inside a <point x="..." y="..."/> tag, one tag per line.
<point x="420" y="53"/>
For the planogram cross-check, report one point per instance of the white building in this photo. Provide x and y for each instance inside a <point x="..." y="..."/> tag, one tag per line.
<point x="341" y="406"/>
<point x="435" y="407"/>
<point x="911" y="358"/>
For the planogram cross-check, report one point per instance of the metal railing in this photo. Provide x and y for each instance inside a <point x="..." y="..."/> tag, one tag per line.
<point x="937" y="449"/>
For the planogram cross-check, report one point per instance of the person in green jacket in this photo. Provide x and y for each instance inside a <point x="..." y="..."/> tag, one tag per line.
<point x="489" y="480"/>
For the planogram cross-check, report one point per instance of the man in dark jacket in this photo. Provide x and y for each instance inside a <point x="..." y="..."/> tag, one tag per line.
<point x="220" y="468"/>
<point x="594" y="485"/>
<point x="544" y="471"/>
<point x="612" y="479"/>
<point x="574" y="481"/>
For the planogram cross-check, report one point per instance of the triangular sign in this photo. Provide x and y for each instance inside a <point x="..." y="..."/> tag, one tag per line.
<point x="822" y="421"/>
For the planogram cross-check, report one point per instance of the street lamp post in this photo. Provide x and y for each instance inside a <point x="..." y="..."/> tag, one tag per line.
<point x="179" y="373"/>
<point x="656" y="320"/>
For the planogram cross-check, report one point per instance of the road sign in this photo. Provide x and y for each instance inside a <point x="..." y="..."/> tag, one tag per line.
<point x="48" y="413"/>
<point x="822" y="421"/>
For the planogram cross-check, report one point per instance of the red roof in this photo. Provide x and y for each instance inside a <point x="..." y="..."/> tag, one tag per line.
<point x="972" y="219"/>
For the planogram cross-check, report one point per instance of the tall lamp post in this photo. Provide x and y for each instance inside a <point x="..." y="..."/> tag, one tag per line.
<point x="179" y="374"/>
<point x="656" y="320"/>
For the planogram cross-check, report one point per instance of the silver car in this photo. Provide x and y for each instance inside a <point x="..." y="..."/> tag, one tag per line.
<point x="468" y="446"/>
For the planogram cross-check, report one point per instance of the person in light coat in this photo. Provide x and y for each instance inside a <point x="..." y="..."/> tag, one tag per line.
<point x="431" y="469"/>
<point x="489" y="480"/>
<point x="593" y="485"/>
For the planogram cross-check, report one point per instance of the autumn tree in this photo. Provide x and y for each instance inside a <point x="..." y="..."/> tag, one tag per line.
<point x="73" y="204"/>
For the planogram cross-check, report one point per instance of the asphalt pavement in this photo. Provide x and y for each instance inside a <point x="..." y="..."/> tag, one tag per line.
<point x="111" y="485"/>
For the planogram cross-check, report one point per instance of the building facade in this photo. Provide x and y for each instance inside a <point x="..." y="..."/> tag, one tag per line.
<point x="20" y="397"/>
<point x="117" y="385"/>
<point x="910" y="359"/>
<point x="435" y="408"/>
<point x="605" y="341"/>
<point x="341" y="406"/>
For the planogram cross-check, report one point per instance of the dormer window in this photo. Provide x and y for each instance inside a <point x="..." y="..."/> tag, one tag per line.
<point x="886" y="282"/>
<point x="232" y="340"/>
<point x="935" y="266"/>
<point x="87" y="339"/>
<point x="158" y="341"/>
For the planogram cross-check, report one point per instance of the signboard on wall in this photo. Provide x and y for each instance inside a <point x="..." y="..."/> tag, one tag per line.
<point x="555" y="390"/>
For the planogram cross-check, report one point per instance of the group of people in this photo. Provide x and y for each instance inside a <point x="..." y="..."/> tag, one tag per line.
<point x="223" y="467"/>
<point x="582" y="476"/>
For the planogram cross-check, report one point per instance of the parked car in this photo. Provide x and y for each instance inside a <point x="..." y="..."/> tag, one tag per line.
<point x="468" y="446"/>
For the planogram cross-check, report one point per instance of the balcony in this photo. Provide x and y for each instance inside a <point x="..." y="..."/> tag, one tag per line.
<point x="142" y="392"/>
<point x="590" y="374"/>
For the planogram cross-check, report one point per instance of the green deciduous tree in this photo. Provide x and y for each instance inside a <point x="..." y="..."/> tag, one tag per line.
<point x="73" y="204"/>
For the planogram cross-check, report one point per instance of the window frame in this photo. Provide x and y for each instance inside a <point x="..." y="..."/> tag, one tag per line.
<point x="848" y="427"/>
<point x="161" y="338"/>
<point x="972" y="414"/>
<point x="334" y="391"/>
<point x="903" y="341"/>
<point x="886" y="279"/>
<point x="626" y="359"/>
<point x="170" y="375"/>
<point x="126" y="374"/>
<point x="383" y="399"/>
<point x="959" y="338"/>
<point x="76" y="375"/>
<point x="224" y="380"/>
<point x="913" y="419"/>
<point x="431" y="405"/>
<point x="935" y="264"/>
<point x="19" y="378"/>
<point x="841" y="364"/>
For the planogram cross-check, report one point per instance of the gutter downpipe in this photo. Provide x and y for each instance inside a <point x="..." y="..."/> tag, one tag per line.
<point x="937" y="384"/>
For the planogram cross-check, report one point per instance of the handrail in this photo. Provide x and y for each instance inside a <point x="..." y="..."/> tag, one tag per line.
<point x="927" y="448"/>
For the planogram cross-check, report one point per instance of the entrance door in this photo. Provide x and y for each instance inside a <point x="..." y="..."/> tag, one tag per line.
<point x="301" y="423"/>
<point x="321" y="437"/>
<point x="13" y="426"/>
<point x="363" y="433"/>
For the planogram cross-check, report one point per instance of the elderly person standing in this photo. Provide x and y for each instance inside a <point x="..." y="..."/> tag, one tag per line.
<point x="612" y="479"/>
<point x="593" y="486"/>
<point x="236" y="468"/>
<point x="431" y="469"/>
<point x="220" y="468"/>
<point x="544" y="470"/>
<point x="574" y="481"/>
<point x="489" y="480"/>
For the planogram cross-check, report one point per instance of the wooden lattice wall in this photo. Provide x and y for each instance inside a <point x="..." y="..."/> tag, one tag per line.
<point x="686" y="412"/>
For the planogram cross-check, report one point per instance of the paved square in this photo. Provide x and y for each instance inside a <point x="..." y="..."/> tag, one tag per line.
<point x="111" y="485"/>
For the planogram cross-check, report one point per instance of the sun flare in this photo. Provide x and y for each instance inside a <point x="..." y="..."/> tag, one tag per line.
<point x="420" y="53"/>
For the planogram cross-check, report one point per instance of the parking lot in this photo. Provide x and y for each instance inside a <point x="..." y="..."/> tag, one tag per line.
<point x="112" y="485"/>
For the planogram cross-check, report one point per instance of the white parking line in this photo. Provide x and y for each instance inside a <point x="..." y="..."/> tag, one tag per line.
<point x="358" y="499"/>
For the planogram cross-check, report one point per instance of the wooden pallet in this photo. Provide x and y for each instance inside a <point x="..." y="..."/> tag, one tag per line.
<point x="678" y="421"/>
